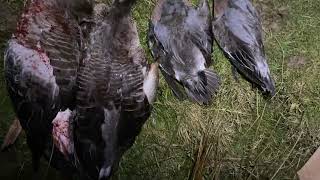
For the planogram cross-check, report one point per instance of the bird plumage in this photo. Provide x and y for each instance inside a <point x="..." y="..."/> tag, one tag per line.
<point x="115" y="91"/>
<point x="180" y="39"/>
<point x="41" y="64"/>
<point x="237" y="30"/>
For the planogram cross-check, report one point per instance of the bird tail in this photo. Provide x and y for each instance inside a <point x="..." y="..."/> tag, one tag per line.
<point x="260" y="78"/>
<point x="268" y="86"/>
<point x="201" y="88"/>
<point x="254" y="68"/>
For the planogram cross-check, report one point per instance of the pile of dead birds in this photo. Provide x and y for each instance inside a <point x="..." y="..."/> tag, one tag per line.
<point x="81" y="85"/>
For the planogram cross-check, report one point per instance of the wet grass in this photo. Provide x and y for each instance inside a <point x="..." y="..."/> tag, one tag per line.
<point x="241" y="135"/>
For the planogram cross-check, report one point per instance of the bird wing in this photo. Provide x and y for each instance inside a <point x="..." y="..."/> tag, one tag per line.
<point x="111" y="104"/>
<point x="62" y="45"/>
<point x="109" y="88"/>
<point x="41" y="62"/>
<point x="245" y="25"/>
<point x="46" y="37"/>
<point x="198" y="23"/>
<point x="244" y="46"/>
<point x="178" y="28"/>
<point x="161" y="51"/>
<point x="238" y="32"/>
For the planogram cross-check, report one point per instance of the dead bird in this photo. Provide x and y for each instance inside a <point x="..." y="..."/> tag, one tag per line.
<point x="41" y="64"/>
<point x="180" y="39"/>
<point x="237" y="30"/>
<point x="116" y="89"/>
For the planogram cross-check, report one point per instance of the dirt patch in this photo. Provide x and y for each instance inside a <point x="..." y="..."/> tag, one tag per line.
<point x="273" y="17"/>
<point x="296" y="62"/>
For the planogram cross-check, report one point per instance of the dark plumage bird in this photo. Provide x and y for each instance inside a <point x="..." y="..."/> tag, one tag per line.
<point x="237" y="29"/>
<point x="41" y="65"/>
<point x="180" y="39"/>
<point x="116" y="88"/>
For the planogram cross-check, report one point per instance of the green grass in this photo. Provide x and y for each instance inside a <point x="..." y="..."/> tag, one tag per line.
<point x="241" y="135"/>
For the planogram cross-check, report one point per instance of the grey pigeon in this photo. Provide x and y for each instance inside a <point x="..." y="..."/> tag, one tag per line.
<point x="237" y="30"/>
<point x="180" y="39"/>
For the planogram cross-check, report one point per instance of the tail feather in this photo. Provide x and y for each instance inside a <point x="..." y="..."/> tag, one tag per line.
<point x="213" y="81"/>
<point x="257" y="72"/>
<point x="202" y="89"/>
<point x="268" y="86"/>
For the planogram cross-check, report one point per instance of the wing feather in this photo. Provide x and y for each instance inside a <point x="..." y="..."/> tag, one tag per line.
<point x="238" y="32"/>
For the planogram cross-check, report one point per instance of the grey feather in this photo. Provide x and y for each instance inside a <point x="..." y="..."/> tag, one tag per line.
<point x="111" y="104"/>
<point x="180" y="39"/>
<point x="237" y="30"/>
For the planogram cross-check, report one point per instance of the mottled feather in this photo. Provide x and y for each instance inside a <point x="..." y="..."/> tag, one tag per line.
<point x="111" y="103"/>
<point x="41" y="64"/>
